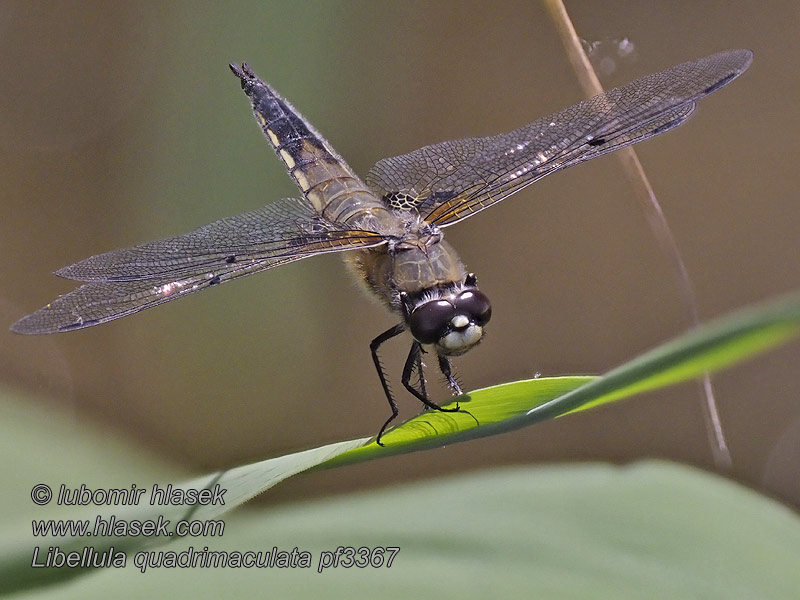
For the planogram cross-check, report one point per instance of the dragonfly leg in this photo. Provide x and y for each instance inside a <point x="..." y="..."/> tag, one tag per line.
<point x="414" y="365"/>
<point x="414" y="359"/>
<point x="447" y="371"/>
<point x="373" y="347"/>
<point x="420" y="367"/>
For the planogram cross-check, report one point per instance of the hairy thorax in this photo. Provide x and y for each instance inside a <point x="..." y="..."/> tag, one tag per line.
<point x="414" y="265"/>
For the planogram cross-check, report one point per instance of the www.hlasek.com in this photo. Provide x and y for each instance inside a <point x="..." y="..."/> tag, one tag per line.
<point x="191" y="558"/>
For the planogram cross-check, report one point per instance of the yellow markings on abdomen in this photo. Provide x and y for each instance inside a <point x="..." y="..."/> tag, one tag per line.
<point x="302" y="181"/>
<point x="287" y="158"/>
<point x="272" y="137"/>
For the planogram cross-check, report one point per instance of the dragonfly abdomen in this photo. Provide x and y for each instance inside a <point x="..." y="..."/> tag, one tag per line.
<point x="325" y="179"/>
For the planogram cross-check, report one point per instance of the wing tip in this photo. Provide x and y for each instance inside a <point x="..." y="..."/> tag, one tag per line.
<point x="746" y="56"/>
<point x="20" y="327"/>
<point x="37" y="324"/>
<point x="27" y="326"/>
<point x="738" y="62"/>
<point x="65" y="272"/>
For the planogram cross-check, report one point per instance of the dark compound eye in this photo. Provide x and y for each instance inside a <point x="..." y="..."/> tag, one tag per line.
<point x="476" y="305"/>
<point x="429" y="322"/>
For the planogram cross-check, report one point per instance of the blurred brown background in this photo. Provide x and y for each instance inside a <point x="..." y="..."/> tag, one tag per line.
<point x="122" y="124"/>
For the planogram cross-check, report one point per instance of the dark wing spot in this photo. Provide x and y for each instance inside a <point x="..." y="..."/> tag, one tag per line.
<point x="79" y="325"/>
<point x="667" y="126"/>
<point x="214" y="280"/>
<point x="230" y="260"/>
<point x="720" y="83"/>
<point x="596" y="141"/>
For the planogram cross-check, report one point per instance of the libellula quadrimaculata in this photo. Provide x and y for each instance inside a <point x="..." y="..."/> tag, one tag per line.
<point x="390" y="223"/>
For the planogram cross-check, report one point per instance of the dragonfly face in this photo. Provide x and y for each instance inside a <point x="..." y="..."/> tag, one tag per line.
<point x="452" y="323"/>
<point x="390" y="224"/>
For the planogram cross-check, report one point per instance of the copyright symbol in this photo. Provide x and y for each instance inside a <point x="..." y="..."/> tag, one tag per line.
<point x="41" y="494"/>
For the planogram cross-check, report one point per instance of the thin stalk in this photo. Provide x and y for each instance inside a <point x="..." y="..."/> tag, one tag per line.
<point x="655" y="217"/>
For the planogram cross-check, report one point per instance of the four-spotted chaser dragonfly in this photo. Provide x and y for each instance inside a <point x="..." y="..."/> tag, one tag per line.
<point x="391" y="223"/>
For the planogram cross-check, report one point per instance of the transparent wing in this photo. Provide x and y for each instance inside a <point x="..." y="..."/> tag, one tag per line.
<point x="126" y="281"/>
<point x="453" y="180"/>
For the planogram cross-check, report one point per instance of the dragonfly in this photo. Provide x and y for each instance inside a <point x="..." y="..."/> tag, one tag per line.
<point x="389" y="225"/>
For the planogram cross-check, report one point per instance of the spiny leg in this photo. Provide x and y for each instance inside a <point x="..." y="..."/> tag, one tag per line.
<point x="421" y="371"/>
<point x="446" y="368"/>
<point x="447" y="371"/>
<point x="414" y="359"/>
<point x="417" y="368"/>
<point x="373" y="347"/>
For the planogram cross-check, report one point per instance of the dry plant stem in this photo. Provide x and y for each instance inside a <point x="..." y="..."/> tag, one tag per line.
<point x="653" y="213"/>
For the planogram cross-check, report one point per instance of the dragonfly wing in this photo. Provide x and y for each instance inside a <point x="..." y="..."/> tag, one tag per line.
<point x="450" y="181"/>
<point x="126" y="281"/>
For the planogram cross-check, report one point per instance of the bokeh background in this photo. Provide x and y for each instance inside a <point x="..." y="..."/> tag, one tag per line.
<point x="122" y="124"/>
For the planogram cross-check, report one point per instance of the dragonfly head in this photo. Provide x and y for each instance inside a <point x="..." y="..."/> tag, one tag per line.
<point x="453" y="322"/>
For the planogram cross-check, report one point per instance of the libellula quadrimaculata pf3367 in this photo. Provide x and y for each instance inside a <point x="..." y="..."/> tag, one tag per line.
<point x="390" y="224"/>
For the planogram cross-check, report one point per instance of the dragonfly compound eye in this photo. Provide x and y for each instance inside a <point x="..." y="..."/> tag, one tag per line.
<point x="429" y="322"/>
<point x="475" y="304"/>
